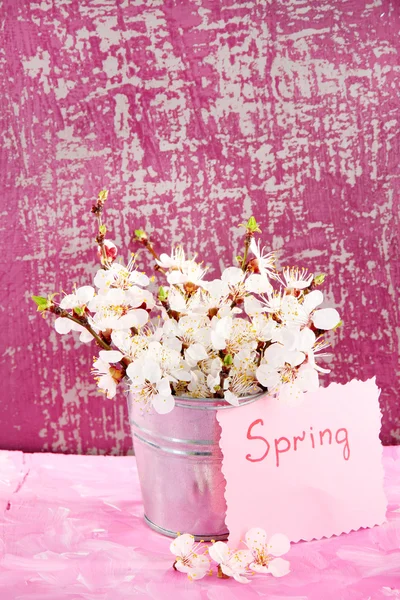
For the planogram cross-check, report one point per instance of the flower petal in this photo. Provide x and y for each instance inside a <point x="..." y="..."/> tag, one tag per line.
<point x="107" y="384"/>
<point x="307" y="379"/>
<point x="254" y="248"/>
<point x="312" y="300"/>
<point x="85" y="336"/>
<point x="258" y="284"/>
<point x="63" y="325"/>
<point x="182" y="545"/>
<point x="279" y="567"/>
<point x="195" y="353"/>
<point x="295" y="358"/>
<point x="103" y="278"/>
<point x="116" y="297"/>
<point x="326" y="318"/>
<point x="291" y="394"/>
<point x="163" y="404"/>
<point x="175" y="277"/>
<point x="252" y="306"/>
<point x="257" y="568"/>
<point x="232" y="275"/>
<point x="278" y="544"/>
<point x="152" y="371"/>
<point x="268" y="376"/>
<point x="135" y="372"/>
<point x="274" y="355"/>
<point x="238" y="577"/>
<point x="224" y="326"/>
<point x="181" y="374"/>
<point x="134" y="318"/>
<point x="173" y="343"/>
<point x="256" y="538"/>
<point x="142" y="316"/>
<point x="137" y="278"/>
<point x="164" y="387"/>
<point x="176" y="301"/>
<point x="69" y="301"/>
<point x="219" y="552"/>
<point x="241" y="559"/>
<point x="85" y="294"/>
<point x="305" y="340"/>
<point x="166" y="261"/>
<point x="200" y="566"/>
<point x="218" y="341"/>
<point x="111" y="356"/>
<point x="231" y="398"/>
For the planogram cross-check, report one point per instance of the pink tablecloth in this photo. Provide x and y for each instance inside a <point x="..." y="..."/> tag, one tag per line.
<point x="71" y="528"/>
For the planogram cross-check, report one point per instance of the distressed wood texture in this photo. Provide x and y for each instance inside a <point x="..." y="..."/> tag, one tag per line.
<point x="196" y="114"/>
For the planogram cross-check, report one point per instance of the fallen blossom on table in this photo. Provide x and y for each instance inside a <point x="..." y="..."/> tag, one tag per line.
<point x="264" y="552"/>
<point x="231" y="563"/>
<point x="187" y="558"/>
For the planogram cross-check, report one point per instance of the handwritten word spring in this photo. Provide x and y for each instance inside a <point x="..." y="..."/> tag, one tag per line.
<point x="284" y="444"/>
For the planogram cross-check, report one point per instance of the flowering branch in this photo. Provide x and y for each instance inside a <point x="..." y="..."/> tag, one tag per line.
<point x="97" y="209"/>
<point x="142" y="237"/>
<point x="81" y="321"/>
<point x="251" y="227"/>
<point x="250" y="331"/>
<point x="228" y="361"/>
<point x="163" y="298"/>
<point x="48" y="304"/>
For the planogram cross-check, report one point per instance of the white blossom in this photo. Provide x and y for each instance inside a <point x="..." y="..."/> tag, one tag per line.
<point x="64" y="325"/>
<point x="118" y="276"/>
<point x="265" y="260"/>
<point x="79" y="299"/>
<point x="107" y="375"/>
<point x="264" y="552"/>
<point x="187" y="557"/>
<point x="117" y="310"/>
<point x="233" y="564"/>
<point x="296" y="279"/>
<point x="248" y="331"/>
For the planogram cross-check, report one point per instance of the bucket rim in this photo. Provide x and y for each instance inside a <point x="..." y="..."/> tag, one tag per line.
<point x="213" y="403"/>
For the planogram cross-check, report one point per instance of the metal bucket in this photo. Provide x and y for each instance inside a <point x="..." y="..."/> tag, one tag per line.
<point x="179" y="464"/>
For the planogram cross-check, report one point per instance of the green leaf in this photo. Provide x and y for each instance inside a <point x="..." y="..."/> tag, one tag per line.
<point x="162" y="294"/>
<point x="103" y="229"/>
<point x="141" y="235"/>
<point x="319" y="279"/>
<point x="79" y="310"/>
<point x="103" y="195"/>
<point x="41" y="303"/>
<point x="228" y="360"/>
<point x="251" y="225"/>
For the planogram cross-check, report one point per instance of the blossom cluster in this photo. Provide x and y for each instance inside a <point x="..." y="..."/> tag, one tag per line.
<point x="261" y="555"/>
<point x="251" y="330"/>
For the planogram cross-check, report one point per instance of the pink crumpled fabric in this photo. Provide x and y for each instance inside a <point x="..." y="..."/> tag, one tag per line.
<point x="71" y="528"/>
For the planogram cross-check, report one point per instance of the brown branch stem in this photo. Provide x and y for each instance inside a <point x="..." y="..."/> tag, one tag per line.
<point x="224" y="375"/>
<point x="149" y="246"/>
<point x="100" y="240"/>
<point x="84" y="323"/>
<point x="124" y="362"/>
<point x="247" y="242"/>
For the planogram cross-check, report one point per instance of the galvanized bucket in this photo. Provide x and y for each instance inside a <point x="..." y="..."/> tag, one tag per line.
<point x="179" y="465"/>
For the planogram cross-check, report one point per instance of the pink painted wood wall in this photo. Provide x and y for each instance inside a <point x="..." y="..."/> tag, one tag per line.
<point x="195" y="114"/>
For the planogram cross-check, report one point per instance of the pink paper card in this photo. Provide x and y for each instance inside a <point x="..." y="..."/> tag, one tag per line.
<point x="309" y="471"/>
